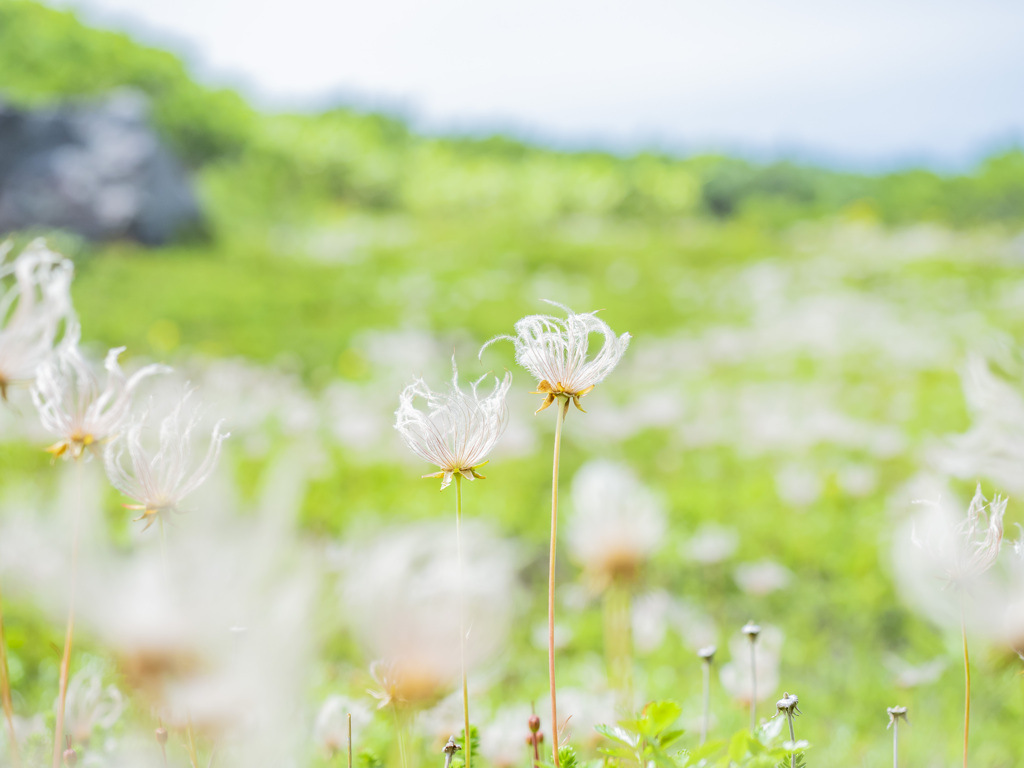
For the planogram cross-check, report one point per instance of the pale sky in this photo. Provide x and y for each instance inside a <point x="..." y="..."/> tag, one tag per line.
<point x="873" y="83"/>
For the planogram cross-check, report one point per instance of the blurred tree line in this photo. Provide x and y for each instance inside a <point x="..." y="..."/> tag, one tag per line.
<point x="272" y="162"/>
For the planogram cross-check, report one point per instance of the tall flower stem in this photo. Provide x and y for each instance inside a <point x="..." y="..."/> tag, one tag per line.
<point x="706" y="721"/>
<point x="967" y="676"/>
<point x="895" y="744"/>
<point x="192" y="753"/>
<point x="617" y="643"/>
<point x="462" y="616"/>
<point x="753" y="685"/>
<point x="349" y="740"/>
<point x="792" y="738"/>
<point x="5" y="692"/>
<point x="563" y="408"/>
<point x="401" y="736"/>
<point x="69" y="633"/>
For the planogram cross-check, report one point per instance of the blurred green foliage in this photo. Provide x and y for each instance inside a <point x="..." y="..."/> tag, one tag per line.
<point x="291" y="162"/>
<point x="329" y="225"/>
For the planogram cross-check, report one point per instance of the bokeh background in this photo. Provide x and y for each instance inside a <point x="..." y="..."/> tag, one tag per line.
<point x="808" y="217"/>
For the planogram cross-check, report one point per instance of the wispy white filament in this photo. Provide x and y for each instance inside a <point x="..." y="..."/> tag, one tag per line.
<point x="555" y="350"/>
<point x="969" y="549"/>
<point x="458" y="430"/>
<point x="35" y="302"/>
<point x="160" y="479"/>
<point x="73" y="406"/>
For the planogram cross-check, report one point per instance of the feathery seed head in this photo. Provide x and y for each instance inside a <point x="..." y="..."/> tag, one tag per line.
<point x="160" y="480"/>
<point x="751" y="630"/>
<point x="90" y="705"/>
<point x="555" y="352"/>
<point x="71" y="404"/>
<point x="971" y="548"/>
<point x="707" y="653"/>
<point x="458" y="430"/>
<point x="35" y="302"/>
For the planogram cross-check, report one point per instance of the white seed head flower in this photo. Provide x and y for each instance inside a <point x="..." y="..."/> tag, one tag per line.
<point x="403" y="592"/>
<point x="71" y="403"/>
<point x="159" y="480"/>
<point x="555" y="352"/>
<point x="617" y="522"/>
<point x="35" y="302"/>
<point x="90" y="705"/>
<point x="967" y="550"/>
<point x="458" y="430"/>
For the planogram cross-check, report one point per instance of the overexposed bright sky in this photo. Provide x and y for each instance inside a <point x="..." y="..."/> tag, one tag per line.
<point x="874" y="83"/>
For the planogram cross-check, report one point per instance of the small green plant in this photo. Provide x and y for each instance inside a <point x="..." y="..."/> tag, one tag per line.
<point x="645" y="740"/>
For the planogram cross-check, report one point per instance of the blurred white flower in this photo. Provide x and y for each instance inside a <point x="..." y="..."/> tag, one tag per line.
<point x="216" y="634"/>
<point x="402" y="592"/>
<point x="939" y="548"/>
<point x="580" y="711"/>
<point x="555" y="352"/>
<point x="160" y="479"/>
<point x="503" y="737"/>
<point x="331" y="728"/>
<point x="994" y="445"/>
<point x="71" y="404"/>
<point x="735" y="675"/>
<point x="91" y="705"/>
<point x="798" y="485"/>
<point x="711" y="543"/>
<point x="458" y="430"/>
<point x="762" y="577"/>
<point x="907" y="675"/>
<point x="33" y="307"/>
<point x="616" y="523"/>
<point x="968" y="549"/>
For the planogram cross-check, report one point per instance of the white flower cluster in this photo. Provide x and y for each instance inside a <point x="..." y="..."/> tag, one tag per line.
<point x="40" y="346"/>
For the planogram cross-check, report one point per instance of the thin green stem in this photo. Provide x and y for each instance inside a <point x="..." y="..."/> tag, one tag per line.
<point x="967" y="677"/>
<point x="706" y="722"/>
<point x="618" y="642"/>
<point x="69" y="633"/>
<point x="401" y="736"/>
<point x="895" y="743"/>
<point x="563" y="408"/>
<point x="349" y="740"/>
<point x="5" y="692"/>
<point x="462" y="616"/>
<point x="792" y="738"/>
<point x="193" y="755"/>
<point x="753" y="685"/>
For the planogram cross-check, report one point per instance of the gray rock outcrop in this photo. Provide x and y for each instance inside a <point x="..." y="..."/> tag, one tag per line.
<point x="95" y="168"/>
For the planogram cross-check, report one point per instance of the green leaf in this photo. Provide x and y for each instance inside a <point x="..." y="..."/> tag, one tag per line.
<point x="705" y="751"/>
<point x="659" y="715"/>
<point x="619" y="734"/>
<point x="670" y="737"/>
<point x="739" y="745"/>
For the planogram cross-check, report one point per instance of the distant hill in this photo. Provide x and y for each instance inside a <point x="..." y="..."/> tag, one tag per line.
<point x="280" y="161"/>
